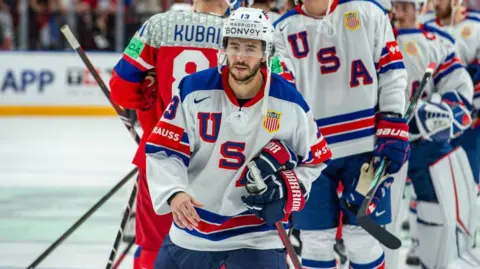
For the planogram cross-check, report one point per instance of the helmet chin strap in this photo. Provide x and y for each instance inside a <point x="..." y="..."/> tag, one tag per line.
<point x="267" y="84"/>
<point x="325" y="26"/>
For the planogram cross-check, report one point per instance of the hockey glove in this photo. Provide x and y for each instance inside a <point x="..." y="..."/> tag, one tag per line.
<point x="148" y="89"/>
<point x="284" y="194"/>
<point x="392" y="143"/>
<point x="461" y="113"/>
<point x="275" y="156"/>
<point x="355" y="198"/>
<point x="431" y="121"/>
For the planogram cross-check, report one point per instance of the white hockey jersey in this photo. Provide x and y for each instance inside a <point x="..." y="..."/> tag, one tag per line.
<point x="202" y="145"/>
<point x="467" y="44"/>
<point x="427" y="16"/>
<point x="348" y="77"/>
<point x="420" y="48"/>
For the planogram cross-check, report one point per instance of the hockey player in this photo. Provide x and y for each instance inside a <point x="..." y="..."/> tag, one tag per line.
<point x="344" y="59"/>
<point x="444" y="114"/>
<point x="465" y="29"/>
<point x="177" y="44"/>
<point x="197" y="156"/>
<point x="274" y="9"/>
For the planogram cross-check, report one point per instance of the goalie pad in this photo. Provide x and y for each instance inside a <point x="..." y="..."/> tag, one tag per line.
<point x="452" y="218"/>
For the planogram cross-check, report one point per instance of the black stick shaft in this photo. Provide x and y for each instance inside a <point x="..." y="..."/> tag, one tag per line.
<point x="124" y="254"/>
<point x="121" y="113"/>
<point x="123" y="116"/>
<point x="288" y="245"/>
<point x="119" y="236"/>
<point x="79" y="222"/>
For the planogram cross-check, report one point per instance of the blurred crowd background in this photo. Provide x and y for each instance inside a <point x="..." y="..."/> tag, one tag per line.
<point x="99" y="24"/>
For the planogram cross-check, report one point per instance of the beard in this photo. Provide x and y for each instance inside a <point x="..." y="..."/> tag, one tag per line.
<point x="443" y="13"/>
<point x="243" y="79"/>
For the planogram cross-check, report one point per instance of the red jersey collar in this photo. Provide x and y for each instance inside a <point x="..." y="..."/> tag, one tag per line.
<point x="300" y="11"/>
<point x="231" y="95"/>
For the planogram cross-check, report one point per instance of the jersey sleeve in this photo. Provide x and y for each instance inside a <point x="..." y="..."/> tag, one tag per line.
<point x="451" y="74"/>
<point x="168" y="152"/>
<point x="309" y="143"/>
<point x="138" y="58"/>
<point x="391" y="72"/>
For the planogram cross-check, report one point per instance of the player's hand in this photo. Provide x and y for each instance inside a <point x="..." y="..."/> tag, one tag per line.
<point x="148" y="89"/>
<point x="183" y="210"/>
<point x="392" y="143"/>
<point x="273" y="157"/>
<point x="356" y="197"/>
<point x="284" y="194"/>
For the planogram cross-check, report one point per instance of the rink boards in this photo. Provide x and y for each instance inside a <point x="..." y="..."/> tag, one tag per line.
<point x="53" y="83"/>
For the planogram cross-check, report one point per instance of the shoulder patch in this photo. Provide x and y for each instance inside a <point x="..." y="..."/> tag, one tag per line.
<point x="134" y="48"/>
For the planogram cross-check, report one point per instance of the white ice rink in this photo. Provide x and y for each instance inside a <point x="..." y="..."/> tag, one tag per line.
<point x="52" y="170"/>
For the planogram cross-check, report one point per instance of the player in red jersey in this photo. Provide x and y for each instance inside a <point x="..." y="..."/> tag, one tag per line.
<point x="172" y="44"/>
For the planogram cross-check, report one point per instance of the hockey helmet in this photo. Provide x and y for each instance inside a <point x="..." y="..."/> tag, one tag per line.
<point x="417" y="3"/>
<point x="251" y="23"/>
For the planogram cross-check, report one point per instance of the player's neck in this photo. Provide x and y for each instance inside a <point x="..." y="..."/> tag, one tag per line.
<point x="446" y="20"/>
<point x="210" y="7"/>
<point x="262" y="6"/>
<point x="246" y="89"/>
<point x="316" y="9"/>
<point x="408" y="25"/>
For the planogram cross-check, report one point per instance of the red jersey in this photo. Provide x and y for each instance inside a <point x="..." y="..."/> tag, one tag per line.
<point x="175" y="44"/>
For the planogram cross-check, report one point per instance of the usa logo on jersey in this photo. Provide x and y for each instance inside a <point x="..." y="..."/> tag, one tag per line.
<point x="351" y="20"/>
<point x="271" y="122"/>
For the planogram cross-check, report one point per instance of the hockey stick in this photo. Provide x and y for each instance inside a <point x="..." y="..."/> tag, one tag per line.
<point x="126" y="121"/>
<point x="362" y="218"/>
<point x="79" y="50"/>
<point x="79" y="222"/>
<point x="124" y="254"/>
<point x="259" y="188"/>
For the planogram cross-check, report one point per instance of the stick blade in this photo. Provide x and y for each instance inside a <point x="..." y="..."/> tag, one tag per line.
<point x="383" y="236"/>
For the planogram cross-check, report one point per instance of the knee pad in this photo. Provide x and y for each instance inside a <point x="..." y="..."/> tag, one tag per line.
<point x="318" y="246"/>
<point x="361" y="247"/>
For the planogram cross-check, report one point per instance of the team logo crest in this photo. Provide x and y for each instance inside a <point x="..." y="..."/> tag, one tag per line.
<point x="411" y="48"/>
<point x="351" y="20"/>
<point x="271" y="122"/>
<point x="466" y="31"/>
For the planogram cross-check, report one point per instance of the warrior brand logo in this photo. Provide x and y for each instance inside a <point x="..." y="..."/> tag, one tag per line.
<point x="297" y="200"/>
<point x="166" y="133"/>
<point x="273" y="147"/>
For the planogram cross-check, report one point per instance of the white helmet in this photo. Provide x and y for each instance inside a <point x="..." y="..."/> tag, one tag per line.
<point x="250" y="23"/>
<point x="386" y="4"/>
<point x="415" y="2"/>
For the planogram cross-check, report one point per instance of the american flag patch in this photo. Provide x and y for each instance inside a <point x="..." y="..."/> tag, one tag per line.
<point x="271" y="122"/>
<point x="351" y="20"/>
<point x="411" y="48"/>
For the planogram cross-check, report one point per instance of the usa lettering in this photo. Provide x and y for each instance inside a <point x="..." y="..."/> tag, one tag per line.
<point x="392" y="132"/>
<point x="199" y="33"/>
<point x="167" y="133"/>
